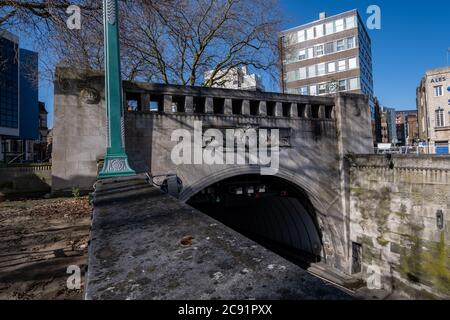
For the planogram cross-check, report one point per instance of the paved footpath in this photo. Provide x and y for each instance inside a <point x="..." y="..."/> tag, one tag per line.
<point x="155" y="247"/>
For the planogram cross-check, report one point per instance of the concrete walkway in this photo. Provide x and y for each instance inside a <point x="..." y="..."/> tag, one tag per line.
<point x="155" y="247"/>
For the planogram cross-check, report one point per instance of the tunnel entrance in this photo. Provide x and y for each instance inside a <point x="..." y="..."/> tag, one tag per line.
<point x="269" y="210"/>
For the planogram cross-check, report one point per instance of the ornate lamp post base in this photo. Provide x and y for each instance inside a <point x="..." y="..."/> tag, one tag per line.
<point x="116" y="166"/>
<point x="116" y="160"/>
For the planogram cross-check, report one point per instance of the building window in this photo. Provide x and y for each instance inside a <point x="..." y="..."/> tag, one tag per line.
<point x="438" y="91"/>
<point x="329" y="48"/>
<point x="329" y="28"/>
<point x="352" y="63"/>
<point x="292" y="38"/>
<point x="440" y="118"/>
<point x="340" y="45"/>
<point x="339" y="25"/>
<point x="302" y="73"/>
<point x="312" y="71"/>
<point x="322" y="88"/>
<point x="353" y="84"/>
<point x="291" y="76"/>
<point x="350" y="22"/>
<point x="331" y="67"/>
<point x="310" y="53"/>
<point x="319" y="31"/>
<point x="342" y="85"/>
<point x="350" y="43"/>
<point x="341" y="65"/>
<point x="304" y="91"/>
<point x="301" y="36"/>
<point x="313" y="90"/>
<point x="309" y="33"/>
<point x="302" y="55"/>
<point x="321" y="69"/>
<point x="319" y="50"/>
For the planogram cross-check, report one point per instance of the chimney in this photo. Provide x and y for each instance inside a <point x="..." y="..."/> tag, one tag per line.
<point x="322" y="15"/>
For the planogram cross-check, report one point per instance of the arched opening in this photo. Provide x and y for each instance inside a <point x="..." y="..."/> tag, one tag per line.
<point x="267" y="209"/>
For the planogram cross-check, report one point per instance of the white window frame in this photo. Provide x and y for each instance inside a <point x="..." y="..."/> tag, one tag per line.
<point x="302" y="53"/>
<point x="313" y="90"/>
<point x="350" y="22"/>
<point x="329" y="28"/>
<point x="333" y="69"/>
<point x="438" y="91"/>
<point x="440" y="118"/>
<point x="339" y="25"/>
<point x="341" y="65"/>
<point x="314" y="73"/>
<point x="352" y="43"/>
<point x="301" y="36"/>
<point x="319" y="30"/>
<point x="303" y="91"/>
<point x="353" y="81"/>
<point x="319" y="50"/>
<point x="338" y="48"/>
<point x="352" y="63"/>
<point x="310" y="33"/>
<point x="323" y="87"/>
<point x="321" y="69"/>
<point x="302" y="73"/>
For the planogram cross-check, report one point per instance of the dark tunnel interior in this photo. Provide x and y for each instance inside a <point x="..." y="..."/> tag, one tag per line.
<point x="269" y="210"/>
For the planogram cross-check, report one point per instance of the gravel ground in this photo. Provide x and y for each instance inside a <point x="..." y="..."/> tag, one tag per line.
<point x="39" y="239"/>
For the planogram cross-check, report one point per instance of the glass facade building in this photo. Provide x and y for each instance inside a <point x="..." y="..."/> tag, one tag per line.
<point x="19" y="108"/>
<point x="9" y="85"/>
<point x="326" y="56"/>
<point x="28" y="95"/>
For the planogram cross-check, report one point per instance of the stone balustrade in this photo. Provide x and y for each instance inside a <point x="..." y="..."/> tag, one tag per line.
<point x="143" y="97"/>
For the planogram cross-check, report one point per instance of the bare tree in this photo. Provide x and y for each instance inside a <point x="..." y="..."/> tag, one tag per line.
<point x="180" y="40"/>
<point x="171" y="41"/>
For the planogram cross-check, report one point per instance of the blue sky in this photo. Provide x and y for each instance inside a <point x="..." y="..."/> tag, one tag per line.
<point x="414" y="37"/>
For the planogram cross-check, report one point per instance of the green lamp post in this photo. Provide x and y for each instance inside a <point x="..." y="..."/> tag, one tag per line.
<point x="116" y="159"/>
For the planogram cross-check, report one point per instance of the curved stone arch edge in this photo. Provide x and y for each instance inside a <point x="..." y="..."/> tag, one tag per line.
<point x="329" y="234"/>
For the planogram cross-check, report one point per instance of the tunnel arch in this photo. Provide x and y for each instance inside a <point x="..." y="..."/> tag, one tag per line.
<point x="312" y="203"/>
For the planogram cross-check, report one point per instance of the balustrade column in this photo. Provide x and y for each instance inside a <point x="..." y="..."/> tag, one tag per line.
<point x="209" y="105"/>
<point x="321" y="112"/>
<point x="278" y="109"/>
<point x="262" y="108"/>
<point x="189" y="104"/>
<point x="145" y="102"/>
<point x="294" y="110"/>
<point x="308" y="111"/>
<point x="228" y="107"/>
<point x="167" y="104"/>
<point x="245" y="107"/>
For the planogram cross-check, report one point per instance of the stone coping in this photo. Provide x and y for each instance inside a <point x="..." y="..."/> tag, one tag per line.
<point x="157" y="247"/>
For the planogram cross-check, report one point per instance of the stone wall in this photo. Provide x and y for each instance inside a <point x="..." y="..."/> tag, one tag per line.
<point x="395" y="205"/>
<point x="315" y="134"/>
<point x="27" y="178"/>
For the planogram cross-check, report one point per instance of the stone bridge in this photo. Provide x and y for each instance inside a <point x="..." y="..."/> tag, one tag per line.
<point x="315" y="135"/>
<point x="331" y="204"/>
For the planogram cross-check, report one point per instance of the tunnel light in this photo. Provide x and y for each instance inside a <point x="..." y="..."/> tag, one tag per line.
<point x="262" y="189"/>
<point x="250" y="190"/>
<point x="239" y="191"/>
<point x="210" y="190"/>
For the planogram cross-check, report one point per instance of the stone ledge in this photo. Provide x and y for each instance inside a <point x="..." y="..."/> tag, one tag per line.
<point x="156" y="247"/>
